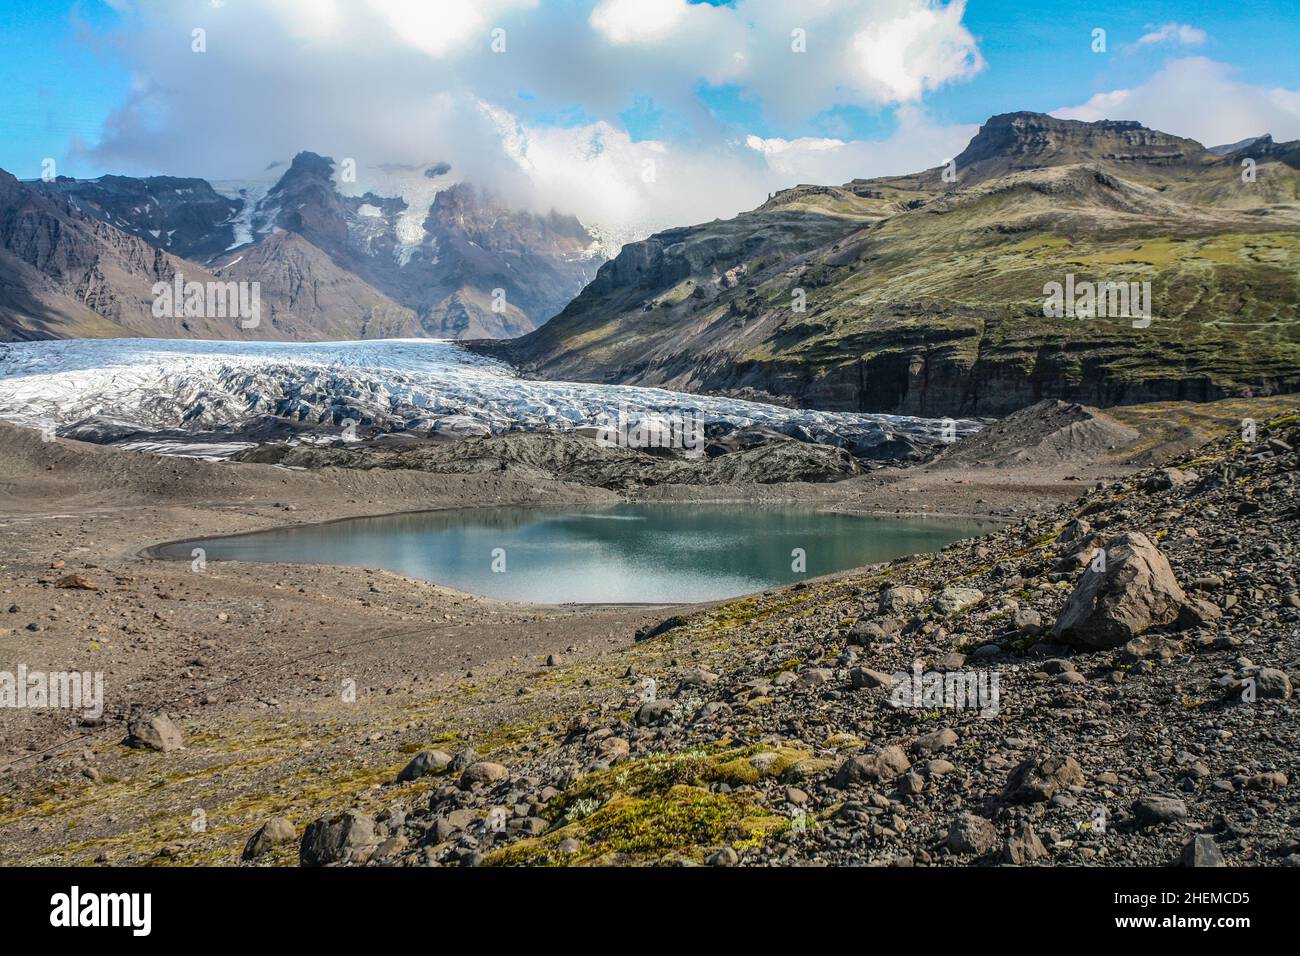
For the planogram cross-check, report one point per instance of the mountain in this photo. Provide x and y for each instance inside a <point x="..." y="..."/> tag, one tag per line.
<point x="67" y="272"/>
<point x="446" y="260"/>
<point x="925" y="296"/>
<point x="187" y="217"/>
<point x="451" y="261"/>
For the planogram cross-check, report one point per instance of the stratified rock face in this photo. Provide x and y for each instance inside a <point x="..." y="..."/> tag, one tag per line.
<point x="1118" y="598"/>
<point x="922" y="295"/>
<point x="1015" y="141"/>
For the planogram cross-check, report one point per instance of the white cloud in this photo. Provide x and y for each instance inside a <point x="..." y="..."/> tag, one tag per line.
<point x="639" y="21"/>
<point x="1202" y="99"/>
<point x="921" y="50"/>
<point x="411" y="82"/>
<point x="445" y="27"/>
<point x="917" y="144"/>
<point x="1174" y="33"/>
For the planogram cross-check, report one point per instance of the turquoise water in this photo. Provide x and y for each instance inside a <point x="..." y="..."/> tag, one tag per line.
<point x="625" y="553"/>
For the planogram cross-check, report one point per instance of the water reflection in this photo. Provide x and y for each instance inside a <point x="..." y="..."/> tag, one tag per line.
<point x="626" y="553"/>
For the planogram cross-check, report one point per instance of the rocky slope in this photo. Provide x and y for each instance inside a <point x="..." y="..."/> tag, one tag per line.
<point x="1133" y="710"/>
<point x="926" y="296"/>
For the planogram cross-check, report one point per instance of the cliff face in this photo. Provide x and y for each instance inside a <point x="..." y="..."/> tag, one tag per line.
<point x="921" y="296"/>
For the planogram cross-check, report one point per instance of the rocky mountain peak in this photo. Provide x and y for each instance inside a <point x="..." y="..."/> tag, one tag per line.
<point x="307" y="166"/>
<point x="1014" y="141"/>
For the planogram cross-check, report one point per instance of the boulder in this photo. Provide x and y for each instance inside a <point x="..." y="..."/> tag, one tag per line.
<point x="1023" y="846"/>
<point x="337" y="838"/>
<point x="1201" y="850"/>
<point x="424" y="763"/>
<point x="152" y="731"/>
<point x="875" y="768"/>
<point x="1135" y="591"/>
<point x="481" y="774"/>
<point x="1040" y="778"/>
<point x="900" y="598"/>
<point x="972" y="834"/>
<point x="271" y="834"/>
<point x="1156" y="810"/>
<point x="1272" y="684"/>
<point x="953" y="599"/>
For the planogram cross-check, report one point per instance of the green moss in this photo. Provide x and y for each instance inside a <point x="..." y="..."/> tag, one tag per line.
<point x="658" y="807"/>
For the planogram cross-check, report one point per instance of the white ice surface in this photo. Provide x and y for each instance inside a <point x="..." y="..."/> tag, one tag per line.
<point x="416" y="384"/>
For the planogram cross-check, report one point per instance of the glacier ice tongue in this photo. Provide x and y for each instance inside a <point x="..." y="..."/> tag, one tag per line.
<point x="383" y="385"/>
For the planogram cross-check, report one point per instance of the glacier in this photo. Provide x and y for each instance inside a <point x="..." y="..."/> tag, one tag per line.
<point x="142" y="387"/>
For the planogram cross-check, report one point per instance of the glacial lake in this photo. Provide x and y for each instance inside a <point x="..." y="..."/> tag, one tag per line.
<point x="615" y="554"/>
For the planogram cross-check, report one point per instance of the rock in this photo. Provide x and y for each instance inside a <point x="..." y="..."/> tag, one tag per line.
<point x="482" y="773"/>
<point x="877" y="768"/>
<point x="936" y="740"/>
<point x="76" y="582"/>
<point x="936" y="768"/>
<point x="1272" y="684"/>
<point x="613" y="749"/>
<point x="653" y="712"/>
<point x="699" y="678"/>
<point x="424" y="763"/>
<point x="1168" y="478"/>
<point x="953" y="599"/>
<point x="1197" y="612"/>
<point x="1201" y="850"/>
<point x="724" y="857"/>
<point x="972" y="834"/>
<point x="554" y="660"/>
<point x="1155" y="810"/>
<point x="1023" y="846"/>
<point x="866" y="633"/>
<point x="663" y="627"/>
<point x="1136" y="591"/>
<point x="152" y="731"/>
<point x="815" y="676"/>
<point x="1026" y="622"/>
<point x="337" y="838"/>
<point x="1074" y="531"/>
<point x="865" y="677"/>
<point x="271" y="834"/>
<point x="1150" y="647"/>
<point x="900" y="598"/>
<point x="911" y="783"/>
<point x="1040" y="778"/>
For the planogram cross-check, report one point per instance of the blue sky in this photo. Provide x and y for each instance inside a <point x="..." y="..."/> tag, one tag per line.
<point x="67" y="68"/>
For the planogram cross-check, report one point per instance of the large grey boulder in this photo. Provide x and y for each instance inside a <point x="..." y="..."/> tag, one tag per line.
<point x="1132" y="590"/>
<point x="152" y="731"/>
<point x="338" y="838"/>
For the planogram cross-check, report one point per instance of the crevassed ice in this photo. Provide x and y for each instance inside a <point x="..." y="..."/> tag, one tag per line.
<point x="418" y="384"/>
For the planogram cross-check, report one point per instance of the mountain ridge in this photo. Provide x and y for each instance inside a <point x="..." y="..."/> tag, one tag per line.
<point x="924" y="296"/>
